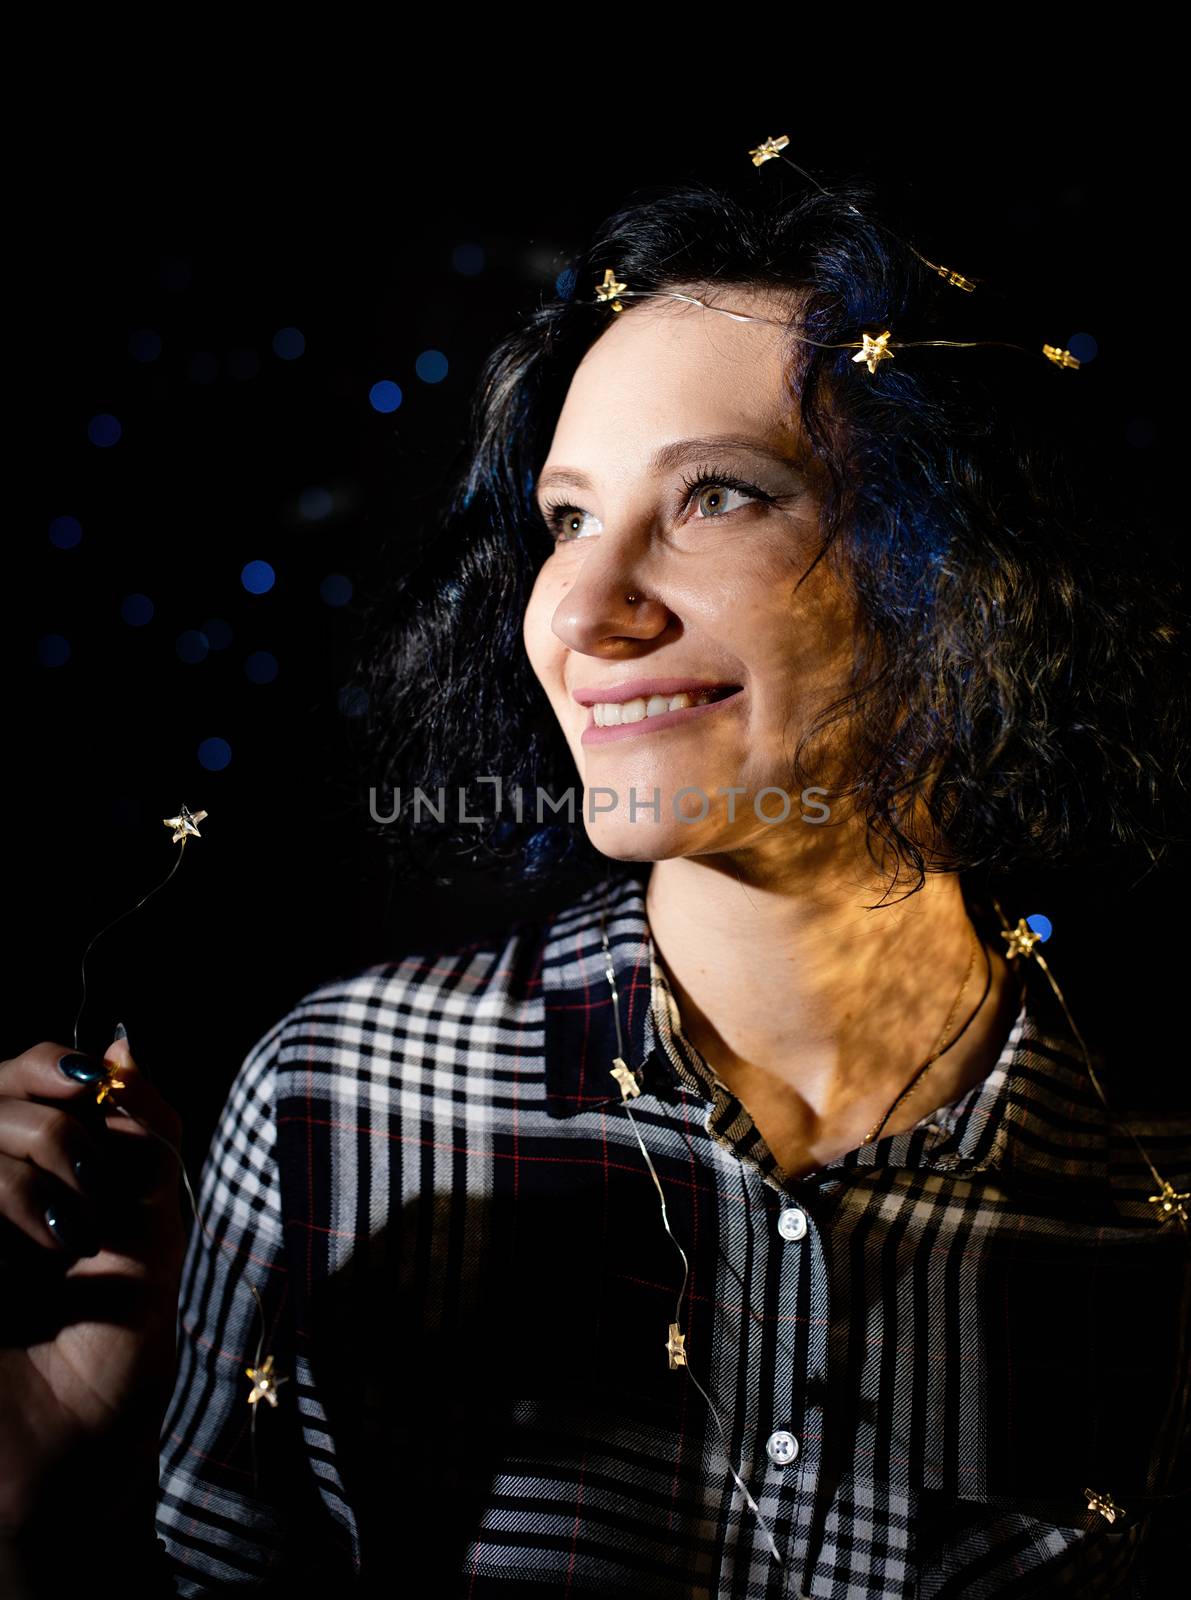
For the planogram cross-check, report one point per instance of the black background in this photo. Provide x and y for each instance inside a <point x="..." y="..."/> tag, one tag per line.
<point x="215" y="234"/>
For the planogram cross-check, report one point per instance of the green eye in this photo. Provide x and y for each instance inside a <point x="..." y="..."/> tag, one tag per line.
<point x="720" y="491"/>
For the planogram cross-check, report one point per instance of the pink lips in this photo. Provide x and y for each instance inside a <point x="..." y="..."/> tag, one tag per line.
<point x="642" y="688"/>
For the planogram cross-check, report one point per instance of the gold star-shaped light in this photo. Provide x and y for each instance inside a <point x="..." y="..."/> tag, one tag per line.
<point x="1104" y="1504"/>
<point x="265" y="1383"/>
<point x="768" y="149"/>
<point x="874" y="350"/>
<point x="110" y="1082"/>
<point x="629" y="1087"/>
<point x="676" y="1347"/>
<point x="1061" y="358"/>
<point x="1021" y="940"/>
<point x="1170" y="1202"/>
<point x="185" y="822"/>
<point x="610" y="288"/>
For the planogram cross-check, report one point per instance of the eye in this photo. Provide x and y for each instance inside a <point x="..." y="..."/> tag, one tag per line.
<point x="710" y="490"/>
<point x="713" y="500"/>
<point x="565" y="521"/>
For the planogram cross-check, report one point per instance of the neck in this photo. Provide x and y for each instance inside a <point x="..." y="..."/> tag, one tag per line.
<point x="816" y="1010"/>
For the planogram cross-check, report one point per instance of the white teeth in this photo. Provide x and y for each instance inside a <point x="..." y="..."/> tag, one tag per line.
<point x="612" y="713"/>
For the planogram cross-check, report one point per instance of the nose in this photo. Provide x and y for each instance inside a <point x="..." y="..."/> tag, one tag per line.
<point x="608" y="608"/>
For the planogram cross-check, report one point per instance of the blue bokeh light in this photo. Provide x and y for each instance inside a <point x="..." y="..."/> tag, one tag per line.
<point x="431" y="366"/>
<point x="1041" y="925"/>
<point x="258" y="577"/>
<point x="315" y="503"/>
<point x="218" y="632"/>
<point x="214" y="754"/>
<point x="53" y="650"/>
<point x="104" y="430"/>
<point x="192" y="646"/>
<point x="136" y="610"/>
<point x="261" y="667"/>
<point x="384" y="396"/>
<point x="65" y="532"/>
<point x="289" y="343"/>
<point x="203" y="367"/>
<point x="336" y="589"/>
<point x="353" y="701"/>
<point x="564" y="284"/>
<point x="144" y="345"/>
<point x="1083" y="347"/>
<point x="468" y="259"/>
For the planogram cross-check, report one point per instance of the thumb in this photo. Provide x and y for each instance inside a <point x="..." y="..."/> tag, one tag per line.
<point x="119" y="1056"/>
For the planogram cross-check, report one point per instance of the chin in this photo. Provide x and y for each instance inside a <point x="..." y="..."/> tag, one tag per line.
<point x="647" y="841"/>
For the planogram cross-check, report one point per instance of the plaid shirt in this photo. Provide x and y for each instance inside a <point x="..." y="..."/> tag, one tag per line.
<point x="923" y="1352"/>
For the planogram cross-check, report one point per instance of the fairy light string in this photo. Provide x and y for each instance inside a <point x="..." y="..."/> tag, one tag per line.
<point x="676" y="1350"/>
<point x="774" y="150"/>
<point x="265" y="1381"/>
<point x="1023" y="940"/>
<point x="871" y="348"/>
<point x="185" y="825"/>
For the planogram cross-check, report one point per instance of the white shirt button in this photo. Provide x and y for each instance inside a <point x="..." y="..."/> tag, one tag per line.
<point x="781" y="1448"/>
<point x="791" y="1223"/>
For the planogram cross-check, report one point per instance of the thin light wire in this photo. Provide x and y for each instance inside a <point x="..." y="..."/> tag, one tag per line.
<point x="884" y="226"/>
<point x="610" y="972"/>
<point x="1036" y="955"/>
<point x="1175" y="1422"/>
<point x="819" y="344"/>
<point x="219" y="1244"/>
<point x="112" y="924"/>
<point x="172" y="1148"/>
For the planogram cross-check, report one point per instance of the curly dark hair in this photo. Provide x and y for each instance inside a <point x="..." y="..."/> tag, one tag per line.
<point x="1019" y="677"/>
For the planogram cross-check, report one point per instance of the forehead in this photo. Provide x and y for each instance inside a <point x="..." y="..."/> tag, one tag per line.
<point x="663" y="366"/>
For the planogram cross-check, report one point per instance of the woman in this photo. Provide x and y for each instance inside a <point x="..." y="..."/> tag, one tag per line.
<point x="749" y="1225"/>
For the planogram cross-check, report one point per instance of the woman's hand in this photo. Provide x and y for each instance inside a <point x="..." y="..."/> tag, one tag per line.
<point x="92" y="1239"/>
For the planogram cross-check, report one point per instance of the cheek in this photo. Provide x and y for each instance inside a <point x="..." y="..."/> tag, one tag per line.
<point x="542" y="645"/>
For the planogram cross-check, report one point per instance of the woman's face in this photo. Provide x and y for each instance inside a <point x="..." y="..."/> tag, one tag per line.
<point x="667" y="394"/>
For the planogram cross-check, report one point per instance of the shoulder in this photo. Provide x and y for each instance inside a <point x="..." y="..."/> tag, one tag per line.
<point x="432" y="998"/>
<point x="1077" y="1123"/>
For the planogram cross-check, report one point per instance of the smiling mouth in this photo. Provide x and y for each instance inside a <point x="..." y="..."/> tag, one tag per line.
<point x="615" y="714"/>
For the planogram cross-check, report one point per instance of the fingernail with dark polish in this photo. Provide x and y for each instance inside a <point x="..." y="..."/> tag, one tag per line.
<point x="121" y="1031"/>
<point x="72" y="1233"/>
<point x="90" y="1175"/>
<point x="83" y="1069"/>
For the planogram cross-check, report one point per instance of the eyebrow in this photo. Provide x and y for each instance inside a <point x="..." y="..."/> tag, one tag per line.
<point x="675" y="454"/>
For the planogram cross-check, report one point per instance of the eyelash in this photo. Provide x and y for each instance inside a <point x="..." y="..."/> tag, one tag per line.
<point x="554" y="511"/>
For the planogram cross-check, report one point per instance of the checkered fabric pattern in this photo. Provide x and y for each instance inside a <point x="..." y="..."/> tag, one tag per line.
<point x="429" y="1174"/>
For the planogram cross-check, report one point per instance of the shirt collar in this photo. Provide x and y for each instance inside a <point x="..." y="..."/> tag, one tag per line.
<point x="581" y="1040"/>
<point x="1035" y="1119"/>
